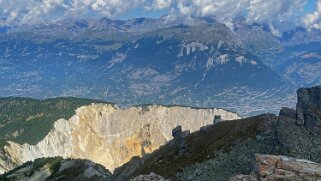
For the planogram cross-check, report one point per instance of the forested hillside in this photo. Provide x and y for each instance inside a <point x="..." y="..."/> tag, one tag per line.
<point x="25" y="120"/>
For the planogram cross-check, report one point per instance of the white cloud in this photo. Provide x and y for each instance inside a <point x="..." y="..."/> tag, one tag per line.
<point x="32" y="11"/>
<point x="162" y="4"/>
<point x="261" y="11"/>
<point x="270" y="12"/>
<point x="40" y="9"/>
<point x="313" y="20"/>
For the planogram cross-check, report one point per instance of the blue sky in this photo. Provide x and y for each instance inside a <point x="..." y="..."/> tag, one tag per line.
<point x="141" y="12"/>
<point x="270" y="12"/>
<point x="310" y="6"/>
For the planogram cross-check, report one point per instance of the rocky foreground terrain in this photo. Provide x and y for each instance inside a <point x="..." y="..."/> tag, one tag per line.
<point x="272" y="167"/>
<point x="264" y="147"/>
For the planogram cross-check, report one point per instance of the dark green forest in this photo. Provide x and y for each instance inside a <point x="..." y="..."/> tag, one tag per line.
<point x="25" y="120"/>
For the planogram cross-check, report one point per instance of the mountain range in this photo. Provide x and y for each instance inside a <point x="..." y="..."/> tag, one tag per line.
<point x="157" y="99"/>
<point x="202" y="63"/>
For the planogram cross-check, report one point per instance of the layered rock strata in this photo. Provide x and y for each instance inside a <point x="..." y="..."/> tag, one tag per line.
<point x="273" y="167"/>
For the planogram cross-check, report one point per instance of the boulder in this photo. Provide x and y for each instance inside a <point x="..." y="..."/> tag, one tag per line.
<point x="309" y="108"/>
<point x="177" y="132"/>
<point x="217" y="119"/>
<point x="274" y="167"/>
<point x="287" y="113"/>
<point x="277" y="167"/>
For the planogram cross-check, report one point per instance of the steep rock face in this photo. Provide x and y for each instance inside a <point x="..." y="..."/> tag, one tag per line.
<point x="272" y="167"/>
<point x="309" y="108"/>
<point x="110" y="136"/>
<point x="297" y="141"/>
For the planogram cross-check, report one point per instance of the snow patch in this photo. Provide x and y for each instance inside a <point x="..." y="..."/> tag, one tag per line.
<point x="253" y="62"/>
<point x="209" y="63"/>
<point x="222" y="59"/>
<point x="242" y="59"/>
<point x="191" y="48"/>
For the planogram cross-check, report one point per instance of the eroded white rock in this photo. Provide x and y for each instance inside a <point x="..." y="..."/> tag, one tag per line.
<point x="111" y="136"/>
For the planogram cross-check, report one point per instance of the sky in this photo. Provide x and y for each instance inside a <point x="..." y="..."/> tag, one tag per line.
<point x="273" y="13"/>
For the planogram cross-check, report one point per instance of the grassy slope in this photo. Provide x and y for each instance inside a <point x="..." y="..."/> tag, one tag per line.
<point x="25" y="120"/>
<point x="61" y="169"/>
<point x="35" y="166"/>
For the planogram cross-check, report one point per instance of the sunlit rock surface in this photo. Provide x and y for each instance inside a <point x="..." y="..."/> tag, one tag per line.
<point x="109" y="135"/>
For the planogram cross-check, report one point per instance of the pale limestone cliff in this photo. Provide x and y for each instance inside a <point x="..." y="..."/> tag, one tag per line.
<point x="111" y="136"/>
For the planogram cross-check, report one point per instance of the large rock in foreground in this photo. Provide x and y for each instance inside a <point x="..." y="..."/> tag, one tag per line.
<point x="287" y="168"/>
<point x="296" y="141"/>
<point x="110" y="136"/>
<point x="272" y="167"/>
<point x="309" y="108"/>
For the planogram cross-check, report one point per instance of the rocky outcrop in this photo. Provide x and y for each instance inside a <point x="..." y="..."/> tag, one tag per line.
<point x="217" y="119"/>
<point x="301" y="141"/>
<point x="309" y="108"/>
<point x="296" y="141"/>
<point x="110" y="136"/>
<point x="272" y="167"/>
<point x="287" y="168"/>
<point x="177" y="132"/>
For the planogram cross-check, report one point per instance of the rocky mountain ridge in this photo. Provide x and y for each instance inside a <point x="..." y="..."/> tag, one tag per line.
<point x="120" y="133"/>
<point x="247" y="149"/>
<point x="213" y="153"/>
<point x="143" y="61"/>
